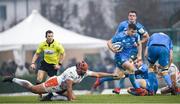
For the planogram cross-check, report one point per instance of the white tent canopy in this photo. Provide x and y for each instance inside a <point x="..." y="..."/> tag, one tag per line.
<point x="30" y="32"/>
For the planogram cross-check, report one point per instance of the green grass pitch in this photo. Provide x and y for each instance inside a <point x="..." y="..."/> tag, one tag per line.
<point x="103" y="99"/>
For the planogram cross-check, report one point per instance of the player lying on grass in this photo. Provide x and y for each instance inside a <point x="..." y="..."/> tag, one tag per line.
<point x="144" y="83"/>
<point x="175" y="77"/>
<point x="62" y="83"/>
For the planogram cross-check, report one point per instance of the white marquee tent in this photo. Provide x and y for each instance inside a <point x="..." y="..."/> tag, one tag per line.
<point x="30" y="32"/>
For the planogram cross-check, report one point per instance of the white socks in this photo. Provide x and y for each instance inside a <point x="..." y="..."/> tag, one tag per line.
<point x="22" y="82"/>
<point x="59" y="97"/>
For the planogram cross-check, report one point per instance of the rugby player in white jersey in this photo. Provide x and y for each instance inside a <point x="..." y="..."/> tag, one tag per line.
<point x="62" y="83"/>
<point x="175" y="77"/>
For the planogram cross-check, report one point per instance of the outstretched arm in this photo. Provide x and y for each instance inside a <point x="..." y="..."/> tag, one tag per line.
<point x="69" y="89"/>
<point x="102" y="74"/>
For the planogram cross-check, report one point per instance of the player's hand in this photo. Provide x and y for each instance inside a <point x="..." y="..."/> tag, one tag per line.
<point x="115" y="50"/>
<point x="33" y="66"/>
<point x="57" y="67"/>
<point x="115" y="75"/>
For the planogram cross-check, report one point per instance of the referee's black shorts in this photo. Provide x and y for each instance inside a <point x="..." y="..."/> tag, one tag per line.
<point x="48" y="68"/>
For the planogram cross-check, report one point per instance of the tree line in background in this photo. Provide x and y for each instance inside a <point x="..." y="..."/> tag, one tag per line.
<point x="99" y="18"/>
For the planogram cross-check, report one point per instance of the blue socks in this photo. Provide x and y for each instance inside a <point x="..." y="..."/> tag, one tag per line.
<point x="133" y="81"/>
<point x="121" y="83"/>
<point x="167" y="80"/>
<point x="152" y="78"/>
<point x="102" y="80"/>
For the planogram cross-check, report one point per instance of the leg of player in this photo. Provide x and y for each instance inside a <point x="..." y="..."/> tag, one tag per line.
<point x="37" y="89"/>
<point x="151" y="77"/>
<point x="167" y="78"/>
<point x="62" y="96"/>
<point x="130" y="68"/>
<point x="165" y="90"/>
<point x="142" y="83"/>
<point x="99" y="81"/>
<point x="121" y="85"/>
<point x="121" y="78"/>
<point x="40" y="76"/>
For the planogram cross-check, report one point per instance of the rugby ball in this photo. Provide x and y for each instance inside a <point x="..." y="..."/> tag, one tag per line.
<point x="118" y="46"/>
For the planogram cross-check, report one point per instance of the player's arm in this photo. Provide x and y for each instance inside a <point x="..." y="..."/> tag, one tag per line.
<point x="171" y="53"/>
<point x="146" y="49"/>
<point x="102" y="74"/>
<point x="144" y="33"/>
<point x="139" y="55"/>
<point x="61" y="56"/>
<point x="35" y="57"/>
<point x="173" y="78"/>
<point x="69" y="89"/>
<point x="173" y="71"/>
<point x="145" y="37"/>
<point x="171" y="57"/>
<point x="110" y="46"/>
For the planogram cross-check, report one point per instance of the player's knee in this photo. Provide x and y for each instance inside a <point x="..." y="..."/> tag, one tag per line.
<point x="131" y="69"/>
<point x="38" y="82"/>
<point x="164" y="70"/>
<point x="151" y="68"/>
<point x="35" y="90"/>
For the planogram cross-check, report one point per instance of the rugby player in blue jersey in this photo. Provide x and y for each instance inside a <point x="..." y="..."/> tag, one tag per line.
<point x="129" y="40"/>
<point x="132" y="17"/>
<point x="159" y="48"/>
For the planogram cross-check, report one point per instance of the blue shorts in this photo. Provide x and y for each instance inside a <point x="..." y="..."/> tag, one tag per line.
<point x="120" y="58"/>
<point x="158" y="53"/>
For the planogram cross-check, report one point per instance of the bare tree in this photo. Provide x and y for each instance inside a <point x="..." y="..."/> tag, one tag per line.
<point x="94" y="23"/>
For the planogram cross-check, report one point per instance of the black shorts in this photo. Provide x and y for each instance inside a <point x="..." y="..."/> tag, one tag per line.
<point x="48" y="68"/>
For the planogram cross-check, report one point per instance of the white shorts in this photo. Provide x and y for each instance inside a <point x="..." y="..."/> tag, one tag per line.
<point x="52" y="85"/>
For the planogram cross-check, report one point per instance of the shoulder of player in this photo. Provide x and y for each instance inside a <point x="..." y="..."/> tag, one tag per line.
<point x="56" y="42"/>
<point x="71" y="71"/>
<point x="43" y="43"/>
<point x="139" y="25"/>
<point x="72" y="68"/>
<point x="120" y="35"/>
<point x="123" y="23"/>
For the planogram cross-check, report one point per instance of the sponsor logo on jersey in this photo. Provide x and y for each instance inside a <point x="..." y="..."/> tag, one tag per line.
<point x="48" y="51"/>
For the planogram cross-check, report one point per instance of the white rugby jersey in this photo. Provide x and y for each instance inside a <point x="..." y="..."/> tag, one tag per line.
<point x="72" y="74"/>
<point x="174" y="70"/>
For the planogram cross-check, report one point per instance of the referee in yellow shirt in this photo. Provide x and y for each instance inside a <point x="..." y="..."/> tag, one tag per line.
<point x="53" y="57"/>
